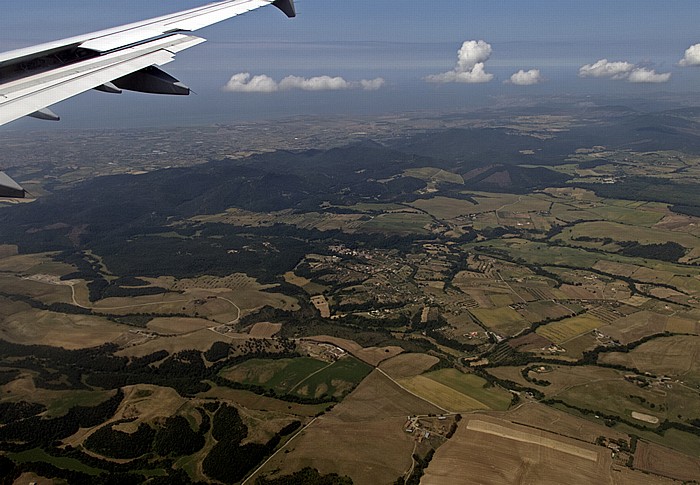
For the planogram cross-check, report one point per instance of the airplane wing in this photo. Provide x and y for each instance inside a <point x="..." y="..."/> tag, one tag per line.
<point x="122" y="58"/>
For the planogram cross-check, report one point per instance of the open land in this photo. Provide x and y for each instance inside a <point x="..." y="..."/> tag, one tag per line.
<point x="546" y="291"/>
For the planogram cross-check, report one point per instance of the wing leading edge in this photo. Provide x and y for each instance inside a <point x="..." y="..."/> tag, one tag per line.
<point x="124" y="57"/>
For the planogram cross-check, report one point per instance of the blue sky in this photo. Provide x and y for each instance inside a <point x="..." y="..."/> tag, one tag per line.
<point x="401" y="41"/>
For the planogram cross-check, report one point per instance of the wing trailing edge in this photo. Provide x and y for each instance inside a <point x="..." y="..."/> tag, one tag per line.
<point x="125" y="57"/>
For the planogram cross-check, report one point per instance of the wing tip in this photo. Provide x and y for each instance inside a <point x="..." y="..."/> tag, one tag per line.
<point x="287" y="6"/>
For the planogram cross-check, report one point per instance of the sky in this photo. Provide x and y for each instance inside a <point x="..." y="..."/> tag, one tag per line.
<point x="380" y="56"/>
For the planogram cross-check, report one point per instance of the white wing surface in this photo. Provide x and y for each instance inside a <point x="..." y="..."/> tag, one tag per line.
<point x="125" y="57"/>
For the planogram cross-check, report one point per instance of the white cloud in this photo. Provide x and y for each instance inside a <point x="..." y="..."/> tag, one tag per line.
<point x="470" y="67"/>
<point x="526" y="78"/>
<point x="372" y="84"/>
<point x="623" y="70"/>
<point x="644" y="75"/>
<point x="604" y="68"/>
<point x="691" y="57"/>
<point x="320" y="83"/>
<point x="244" y="83"/>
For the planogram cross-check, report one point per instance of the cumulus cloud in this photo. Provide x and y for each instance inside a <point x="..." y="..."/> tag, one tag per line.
<point x="691" y="57"/>
<point x="623" y="70"/>
<point x="372" y="84"/>
<point x="526" y="78"/>
<point x="245" y="83"/>
<point x="320" y="83"/>
<point x="605" y="68"/>
<point x="470" y="67"/>
<point x="644" y="75"/>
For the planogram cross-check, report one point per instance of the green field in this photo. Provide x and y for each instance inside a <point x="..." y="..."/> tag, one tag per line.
<point x="564" y="330"/>
<point x="445" y="207"/>
<point x="503" y="320"/>
<point x="624" y="232"/>
<point x="336" y="380"/>
<point x="303" y="376"/>
<point x="398" y="223"/>
<point x="541" y="254"/>
<point x="473" y="386"/>
<point x="432" y="174"/>
<point x="636" y="216"/>
<point x="39" y="455"/>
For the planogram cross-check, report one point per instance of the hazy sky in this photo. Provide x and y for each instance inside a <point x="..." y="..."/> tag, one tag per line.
<point x="390" y="55"/>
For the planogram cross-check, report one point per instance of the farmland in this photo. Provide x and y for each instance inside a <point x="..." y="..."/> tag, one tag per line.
<point x="531" y="299"/>
<point x="303" y="377"/>
<point x="565" y="330"/>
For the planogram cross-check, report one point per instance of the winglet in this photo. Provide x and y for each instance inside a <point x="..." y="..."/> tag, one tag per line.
<point x="287" y="6"/>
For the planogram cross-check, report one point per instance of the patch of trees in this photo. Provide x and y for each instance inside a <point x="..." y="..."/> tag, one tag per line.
<point x="669" y="251"/>
<point x="229" y="461"/>
<point x="305" y="476"/>
<point x="120" y="291"/>
<point x="418" y="469"/>
<point x="360" y="321"/>
<point x="36" y="431"/>
<point x="648" y="189"/>
<point x="525" y="372"/>
<point x="688" y="210"/>
<point x="15" y="411"/>
<point x="70" y="363"/>
<point x="508" y="384"/>
<point x="130" y="281"/>
<point x="441" y="339"/>
<point x="8" y="376"/>
<point x="452" y="431"/>
<point x="113" y="443"/>
<point x="218" y="350"/>
<point x="177" y="438"/>
<point x="184" y="371"/>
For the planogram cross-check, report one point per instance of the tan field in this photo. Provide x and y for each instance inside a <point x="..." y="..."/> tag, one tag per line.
<point x="564" y="377"/>
<point x="178" y="325"/>
<point x="442" y="395"/>
<point x="57" y="402"/>
<point x="408" y="365"/>
<point x="504" y="320"/>
<point x="44" y="291"/>
<point x="673" y="356"/>
<point x="662" y="461"/>
<point x="487" y="451"/>
<point x="370" y="355"/>
<point x="543" y="417"/>
<point x="265" y="330"/>
<point x="59" y="329"/>
<point x="362" y="437"/>
<point x="199" y="340"/>
<point x="144" y="403"/>
<point x="565" y="330"/>
<point x="638" y="325"/>
<point x="33" y="263"/>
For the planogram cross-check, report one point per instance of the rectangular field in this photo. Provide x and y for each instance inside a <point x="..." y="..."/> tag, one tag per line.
<point x="564" y="330"/>
<point x="474" y="387"/>
<point x="490" y="451"/>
